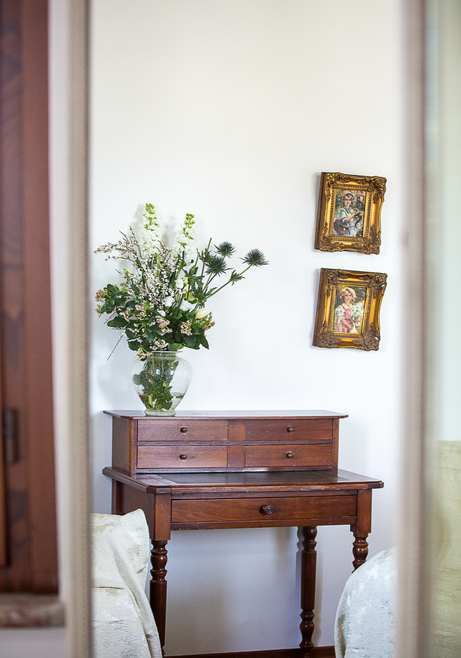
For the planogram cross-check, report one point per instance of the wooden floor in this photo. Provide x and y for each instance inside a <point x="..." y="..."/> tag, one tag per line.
<point x="317" y="652"/>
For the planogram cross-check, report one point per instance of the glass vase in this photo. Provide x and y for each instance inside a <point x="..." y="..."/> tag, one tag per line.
<point x="161" y="381"/>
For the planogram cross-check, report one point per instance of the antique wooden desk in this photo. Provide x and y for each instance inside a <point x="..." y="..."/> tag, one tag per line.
<point x="234" y="469"/>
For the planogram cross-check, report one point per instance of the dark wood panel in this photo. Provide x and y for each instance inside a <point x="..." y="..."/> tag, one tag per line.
<point x="316" y="652"/>
<point x="293" y="509"/>
<point x="288" y="456"/>
<point x="335" y="423"/>
<point x="16" y="576"/>
<point x="126" y="500"/>
<point x="320" y="481"/>
<point x="38" y="407"/>
<point x="180" y="430"/>
<point x="121" y="445"/>
<point x="25" y="298"/>
<point x="182" y="456"/>
<point x="3" y="520"/>
<point x="289" y="429"/>
<point x="236" y="456"/>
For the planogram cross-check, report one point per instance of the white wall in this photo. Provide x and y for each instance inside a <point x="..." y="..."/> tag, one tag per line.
<point x="230" y="110"/>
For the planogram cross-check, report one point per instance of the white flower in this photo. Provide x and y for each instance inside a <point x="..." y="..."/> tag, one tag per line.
<point x="168" y="301"/>
<point x="180" y="283"/>
<point x="186" y="306"/>
<point x="147" y="241"/>
<point x="201" y="313"/>
<point x="184" y="250"/>
<point x="185" y="239"/>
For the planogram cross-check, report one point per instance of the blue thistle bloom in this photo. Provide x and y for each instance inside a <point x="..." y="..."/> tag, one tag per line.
<point x="216" y="265"/>
<point x="225" y="249"/>
<point x="255" y="258"/>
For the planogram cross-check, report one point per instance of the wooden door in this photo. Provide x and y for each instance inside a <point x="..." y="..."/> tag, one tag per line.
<point x="28" y="554"/>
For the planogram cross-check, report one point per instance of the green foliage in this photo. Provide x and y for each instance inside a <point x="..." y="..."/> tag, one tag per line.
<point x="156" y="384"/>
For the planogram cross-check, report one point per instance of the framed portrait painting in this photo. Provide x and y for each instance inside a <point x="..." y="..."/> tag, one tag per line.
<point x="348" y="309"/>
<point x="349" y="215"/>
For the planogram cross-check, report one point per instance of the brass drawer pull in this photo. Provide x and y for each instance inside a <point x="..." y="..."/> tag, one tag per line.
<point x="183" y="429"/>
<point x="266" y="509"/>
<point x="182" y="456"/>
<point x="290" y="454"/>
<point x="290" y="429"/>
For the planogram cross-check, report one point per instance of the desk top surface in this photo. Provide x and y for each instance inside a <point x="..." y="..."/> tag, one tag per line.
<point x="181" y="414"/>
<point x="251" y="481"/>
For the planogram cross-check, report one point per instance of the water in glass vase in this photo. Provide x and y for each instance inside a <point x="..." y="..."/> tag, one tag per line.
<point x="161" y="381"/>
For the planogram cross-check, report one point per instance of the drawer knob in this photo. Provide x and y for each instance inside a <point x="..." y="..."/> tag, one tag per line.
<point x="290" y="429"/>
<point x="182" y="456"/>
<point x="183" y="429"/>
<point x="290" y="454"/>
<point x="266" y="509"/>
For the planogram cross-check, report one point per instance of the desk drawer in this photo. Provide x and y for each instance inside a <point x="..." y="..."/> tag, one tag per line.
<point x="182" y="430"/>
<point x="318" y="508"/>
<point x="289" y="456"/>
<point x="290" y="429"/>
<point x="182" y="456"/>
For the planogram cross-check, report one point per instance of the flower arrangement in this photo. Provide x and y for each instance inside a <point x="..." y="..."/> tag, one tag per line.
<point x="160" y="304"/>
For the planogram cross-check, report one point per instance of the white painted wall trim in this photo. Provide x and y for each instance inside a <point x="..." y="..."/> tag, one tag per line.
<point x="68" y="169"/>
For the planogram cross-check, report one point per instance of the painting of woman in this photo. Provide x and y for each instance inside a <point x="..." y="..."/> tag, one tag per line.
<point x="348" y="314"/>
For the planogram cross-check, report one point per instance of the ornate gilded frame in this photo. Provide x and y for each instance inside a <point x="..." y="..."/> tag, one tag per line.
<point x="355" y="323"/>
<point x="358" y="232"/>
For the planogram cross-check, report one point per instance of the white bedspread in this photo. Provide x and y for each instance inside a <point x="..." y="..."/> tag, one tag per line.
<point x="123" y="623"/>
<point x="365" y="620"/>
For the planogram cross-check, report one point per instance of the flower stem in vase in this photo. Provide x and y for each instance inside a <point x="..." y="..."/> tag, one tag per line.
<point x="161" y="380"/>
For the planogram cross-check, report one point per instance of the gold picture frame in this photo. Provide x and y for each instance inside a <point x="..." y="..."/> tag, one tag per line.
<point x="348" y="308"/>
<point x="349" y="216"/>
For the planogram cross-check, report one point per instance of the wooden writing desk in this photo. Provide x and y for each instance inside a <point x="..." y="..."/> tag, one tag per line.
<point x="200" y="470"/>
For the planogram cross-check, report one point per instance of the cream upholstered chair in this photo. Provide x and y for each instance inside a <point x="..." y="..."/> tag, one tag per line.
<point x="365" y="620"/>
<point x="123" y="623"/>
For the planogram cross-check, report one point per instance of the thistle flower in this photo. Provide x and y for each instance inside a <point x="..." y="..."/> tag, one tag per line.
<point x="225" y="249"/>
<point x="216" y="265"/>
<point x="255" y="258"/>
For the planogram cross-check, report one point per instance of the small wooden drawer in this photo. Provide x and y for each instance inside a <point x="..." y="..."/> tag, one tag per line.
<point x="270" y="509"/>
<point x="291" y="429"/>
<point x="182" y="456"/>
<point x="182" y="430"/>
<point x="289" y="456"/>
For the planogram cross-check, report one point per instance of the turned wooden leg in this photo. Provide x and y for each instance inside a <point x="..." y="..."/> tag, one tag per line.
<point x="362" y="528"/>
<point x="308" y="570"/>
<point x="158" y="584"/>
<point x="359" y="549"/>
